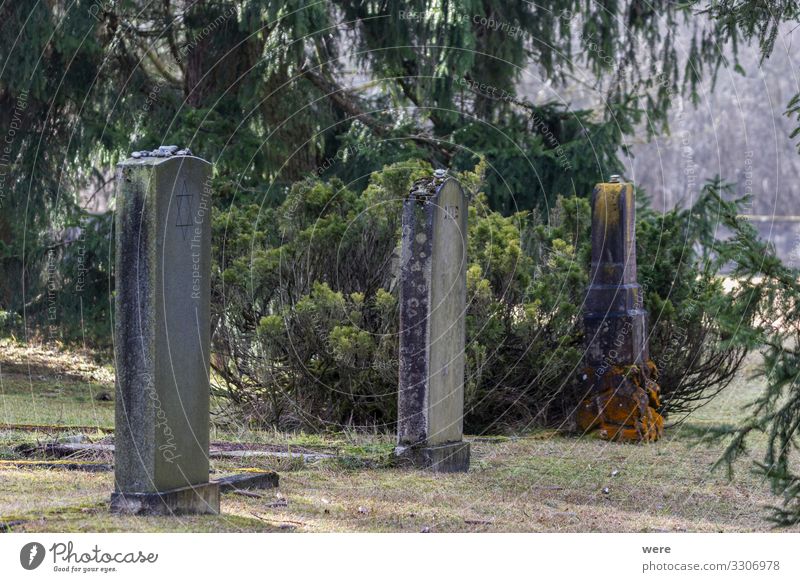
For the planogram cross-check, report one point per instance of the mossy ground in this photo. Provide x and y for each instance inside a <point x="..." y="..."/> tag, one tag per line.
<point x="538" y="482"/>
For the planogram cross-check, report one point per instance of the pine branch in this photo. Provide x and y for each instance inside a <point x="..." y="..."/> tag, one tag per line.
<point x="349" y="104"/>
<point x="160" y="66"/>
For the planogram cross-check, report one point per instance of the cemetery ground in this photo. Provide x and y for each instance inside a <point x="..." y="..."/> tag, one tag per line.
<point x="541" y="481"/>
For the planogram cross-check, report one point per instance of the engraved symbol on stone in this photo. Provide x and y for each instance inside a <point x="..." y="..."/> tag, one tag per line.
<point x="183" y="220"/>
<point x="451" y="211"/>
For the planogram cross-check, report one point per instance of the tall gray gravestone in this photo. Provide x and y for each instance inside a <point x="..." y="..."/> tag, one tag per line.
<point x="162" y="334"/>
<point x="622" y="396"/>
<point x="433" y="294"/>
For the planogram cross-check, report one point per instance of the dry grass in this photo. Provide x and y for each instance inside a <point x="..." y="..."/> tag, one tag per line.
<point x="47" y="386"/>
<point x="541" y="482"/>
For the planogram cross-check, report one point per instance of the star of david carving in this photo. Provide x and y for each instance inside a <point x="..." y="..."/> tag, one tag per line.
<point x="183" y="220"/>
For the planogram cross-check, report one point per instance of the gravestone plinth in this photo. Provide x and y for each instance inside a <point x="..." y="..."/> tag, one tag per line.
<point x="621" y="393"/>
<point x="162" y="335"/>
<point x="433" y="295"/>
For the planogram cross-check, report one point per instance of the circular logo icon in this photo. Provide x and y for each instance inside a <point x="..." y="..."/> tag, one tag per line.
<point x="31" y="555"/>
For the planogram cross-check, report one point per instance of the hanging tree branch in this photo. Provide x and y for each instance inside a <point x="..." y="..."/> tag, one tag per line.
<point x="348" y="103"/>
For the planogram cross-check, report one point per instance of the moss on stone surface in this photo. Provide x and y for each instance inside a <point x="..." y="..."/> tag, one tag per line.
<point x="623" y="405"/>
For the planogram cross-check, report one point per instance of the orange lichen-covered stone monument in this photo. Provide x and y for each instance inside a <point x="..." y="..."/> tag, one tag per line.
<point x="622" y="395"/>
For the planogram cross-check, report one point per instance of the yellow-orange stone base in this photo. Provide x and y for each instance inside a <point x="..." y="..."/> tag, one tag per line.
<point x="623" y="405"/>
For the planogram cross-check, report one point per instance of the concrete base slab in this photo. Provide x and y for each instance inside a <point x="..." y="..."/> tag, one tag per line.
<point x="446" y="458"/>
<point x="306" y="457"/>
<point x="260" y="480"/>
<point x="197" y="499"/>
<point x="66" y="465"/>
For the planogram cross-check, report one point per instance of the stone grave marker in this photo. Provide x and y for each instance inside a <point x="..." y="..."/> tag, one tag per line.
<point x="162" y="334"/>
<point x="621" y="392"/>
<point x="432" y="329"/>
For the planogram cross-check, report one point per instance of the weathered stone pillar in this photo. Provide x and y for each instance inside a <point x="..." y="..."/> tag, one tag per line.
<point x="433" y="295"/>
<point x="162" y="334"/>
<point x="622" y="394"/>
